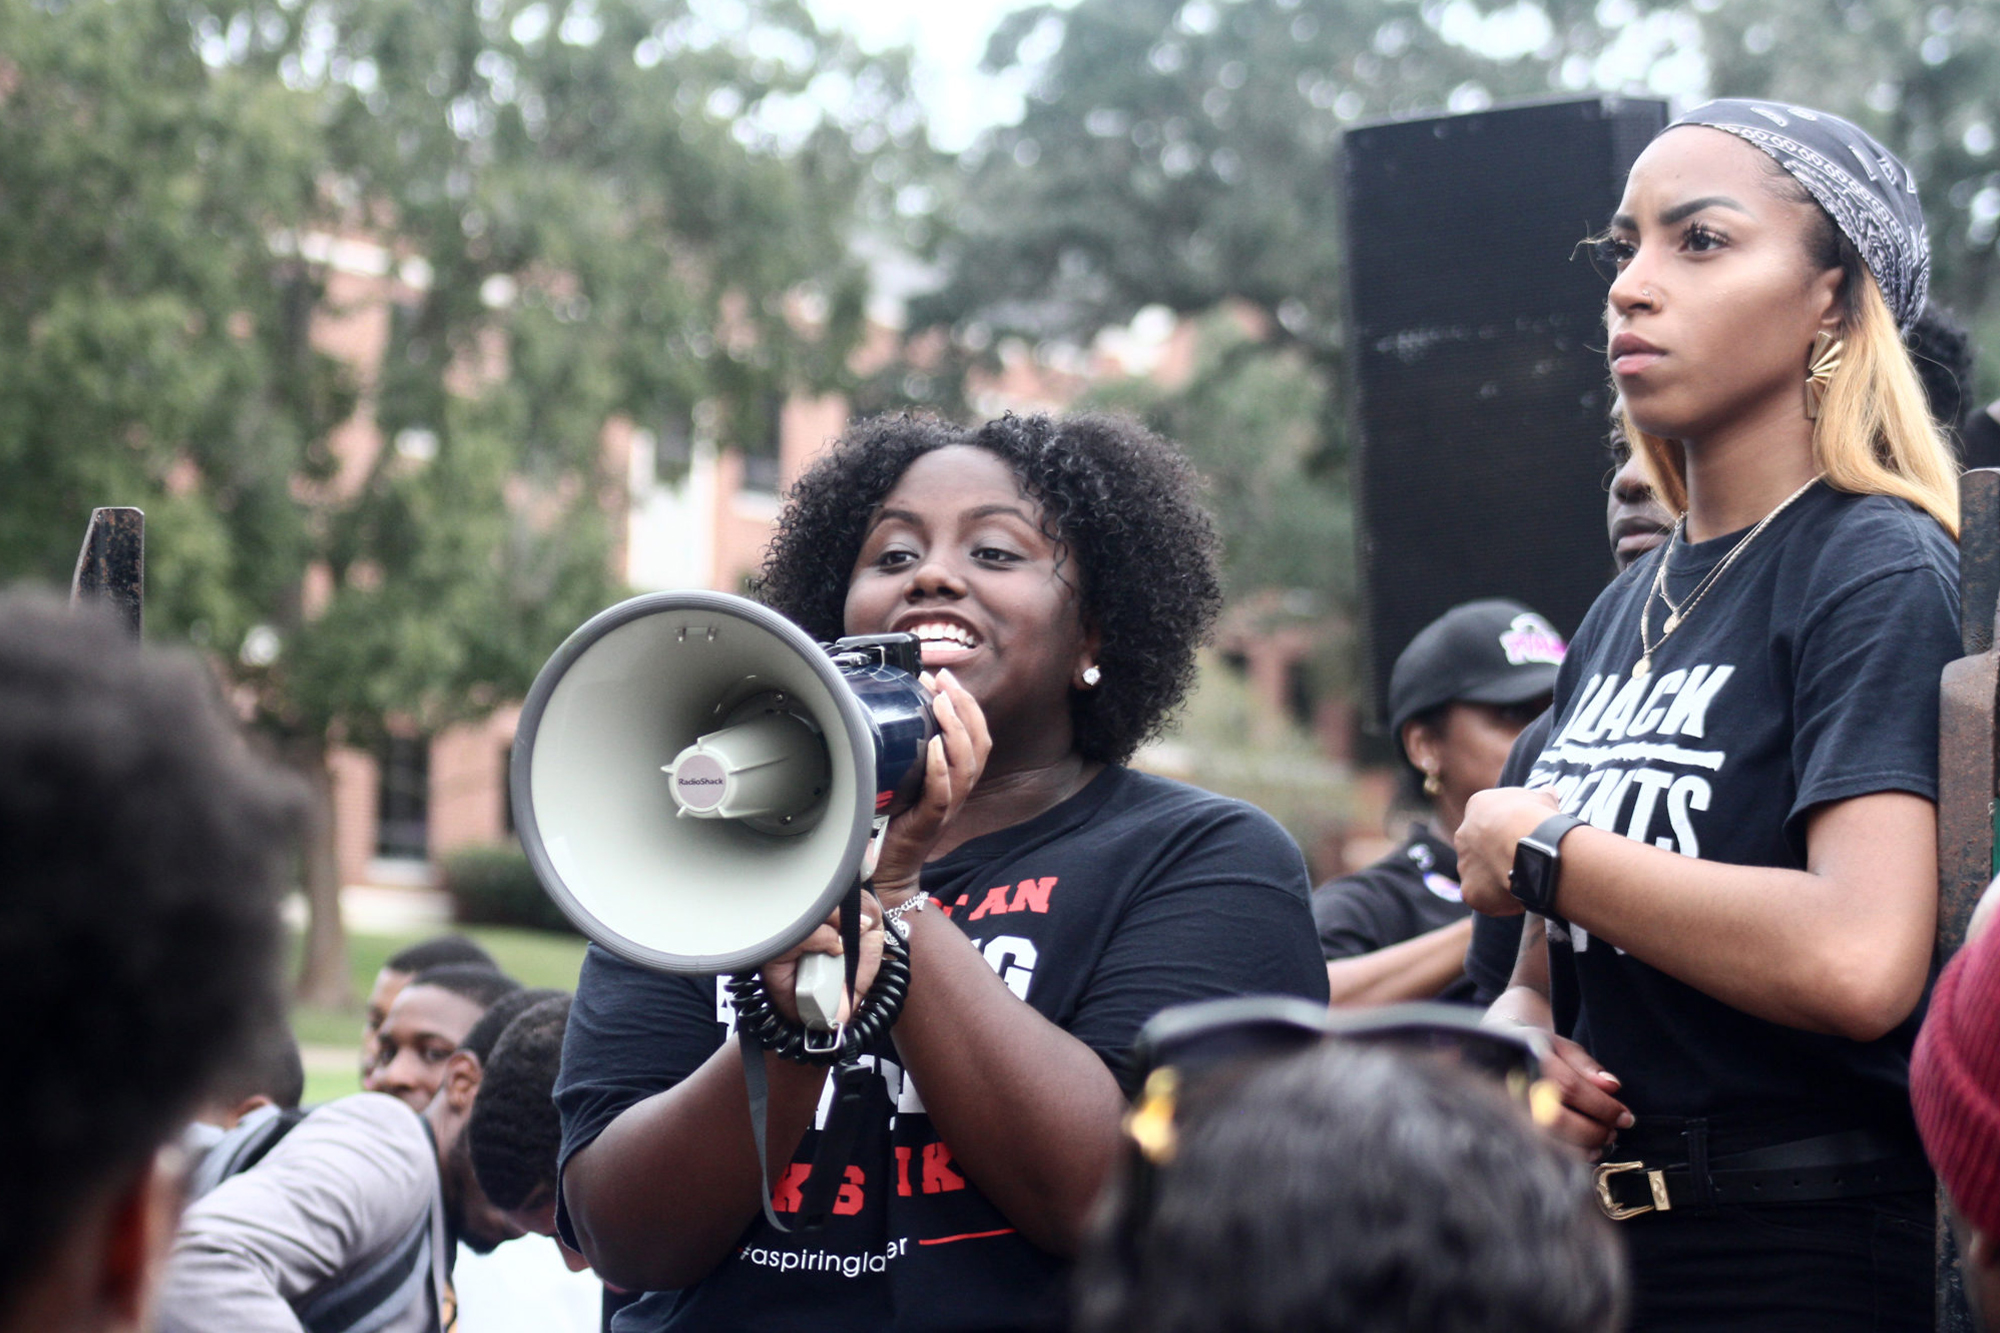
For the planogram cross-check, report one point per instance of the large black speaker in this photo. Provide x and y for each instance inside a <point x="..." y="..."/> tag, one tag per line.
<point x="1481" y="395"/>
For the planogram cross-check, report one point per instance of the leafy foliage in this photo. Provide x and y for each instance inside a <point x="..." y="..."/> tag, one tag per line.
<point x="1185" y="154"/>
<point x="610" y="208"/>
<point x="1247" y="418"/>
<point x="601" y="209"/>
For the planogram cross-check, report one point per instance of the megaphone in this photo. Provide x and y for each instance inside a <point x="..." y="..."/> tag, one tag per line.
<point x="696" y="780"/>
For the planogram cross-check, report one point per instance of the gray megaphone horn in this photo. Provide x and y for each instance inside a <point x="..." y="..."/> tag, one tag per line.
<point x="696" y="780"/>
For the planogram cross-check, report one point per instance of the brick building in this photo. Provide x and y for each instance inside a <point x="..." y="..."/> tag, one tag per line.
<point x="692" y="512"/>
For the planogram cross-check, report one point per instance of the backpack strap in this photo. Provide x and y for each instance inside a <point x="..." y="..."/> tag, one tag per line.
<point x="367" y="1299"/>
<point x="241" y="1148"/>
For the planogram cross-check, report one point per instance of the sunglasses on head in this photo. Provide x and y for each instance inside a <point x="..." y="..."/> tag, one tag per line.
<point x="1214" y="1039"/>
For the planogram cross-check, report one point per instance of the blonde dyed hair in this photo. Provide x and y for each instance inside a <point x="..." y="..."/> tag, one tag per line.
<point x="1874" y="434"/>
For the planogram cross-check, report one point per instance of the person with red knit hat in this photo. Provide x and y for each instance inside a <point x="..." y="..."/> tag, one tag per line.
<point x="1955" y="1089"/>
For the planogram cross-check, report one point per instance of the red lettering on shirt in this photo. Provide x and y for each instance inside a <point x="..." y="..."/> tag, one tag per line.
<point x="848" y="1202"/>
<point x="1033" y="894"/>
<point x="903" y="1172"/>
<point x="954" y="906"/>
<point x="785" y="1196"/>
<point x="995" y="902"/>
<point x="939" y="1178"/>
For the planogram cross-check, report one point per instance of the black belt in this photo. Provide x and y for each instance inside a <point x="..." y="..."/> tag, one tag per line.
<point x="1852" y="1164"/>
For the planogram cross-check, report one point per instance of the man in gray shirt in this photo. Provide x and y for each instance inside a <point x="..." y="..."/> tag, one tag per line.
<point x="348" y="1222"/>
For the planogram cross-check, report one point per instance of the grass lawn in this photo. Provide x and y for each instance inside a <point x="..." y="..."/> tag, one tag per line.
<point x="331" y="1037"/>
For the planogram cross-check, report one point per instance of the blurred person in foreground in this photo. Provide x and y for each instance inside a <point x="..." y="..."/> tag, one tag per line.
<point x="437" y="951"/>
<point x="1346" y="1190"/>
<point x="145" y="851"/>
<point x="1955" y="1088"/>
<point x="1459" y="694"/>
<point x="431" y="1018"/>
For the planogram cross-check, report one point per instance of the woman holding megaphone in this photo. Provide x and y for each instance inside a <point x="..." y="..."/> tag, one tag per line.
<point x="1059" y="575"/>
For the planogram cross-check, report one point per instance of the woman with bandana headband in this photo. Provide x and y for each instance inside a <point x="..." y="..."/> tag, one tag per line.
<point x="1727" y="845"/>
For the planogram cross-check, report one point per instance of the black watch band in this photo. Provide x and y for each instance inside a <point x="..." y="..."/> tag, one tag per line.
<point x="1538" y="864"/>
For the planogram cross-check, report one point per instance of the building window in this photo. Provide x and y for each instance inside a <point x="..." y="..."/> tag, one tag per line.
<point x="762" y="446"/>
<point x="403" y="812"/>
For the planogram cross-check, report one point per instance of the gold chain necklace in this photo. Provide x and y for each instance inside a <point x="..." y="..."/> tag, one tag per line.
<point x="1677" y="615"/>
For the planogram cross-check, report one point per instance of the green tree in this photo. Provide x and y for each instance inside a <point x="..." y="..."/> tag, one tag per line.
<point x="1185" y="153"/>
<point x="1247" y="415"/>
<point x="596" y="210"/>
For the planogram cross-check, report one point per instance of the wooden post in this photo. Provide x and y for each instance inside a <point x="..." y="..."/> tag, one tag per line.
<point x="1968" y="778"/>
<point x="111" y="567"/>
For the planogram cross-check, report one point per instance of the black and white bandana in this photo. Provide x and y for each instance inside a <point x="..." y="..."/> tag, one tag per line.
<point x="1871" y="196"/>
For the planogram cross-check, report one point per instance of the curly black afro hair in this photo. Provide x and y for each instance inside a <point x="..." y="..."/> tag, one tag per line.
<point x="1121" y="500"/>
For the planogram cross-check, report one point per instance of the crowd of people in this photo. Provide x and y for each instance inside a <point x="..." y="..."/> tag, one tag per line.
<point x="1641" y="1027"/>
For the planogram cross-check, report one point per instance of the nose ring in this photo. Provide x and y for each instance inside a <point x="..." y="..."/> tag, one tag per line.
<point x="1646" y="294"/>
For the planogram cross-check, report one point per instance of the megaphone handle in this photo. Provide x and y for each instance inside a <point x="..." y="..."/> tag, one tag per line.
<point x="821" y="979"/>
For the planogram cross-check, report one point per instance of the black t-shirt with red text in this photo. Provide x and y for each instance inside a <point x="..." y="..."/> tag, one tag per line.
<point x="1135" y="894"/>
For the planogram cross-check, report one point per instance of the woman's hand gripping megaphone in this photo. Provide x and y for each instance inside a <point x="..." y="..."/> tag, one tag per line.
<point x="956" y="758"/>
<point x="952" y="767"/>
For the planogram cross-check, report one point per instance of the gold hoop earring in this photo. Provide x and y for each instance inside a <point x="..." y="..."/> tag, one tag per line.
<point x="1820" y="369"/>
<point x="1431" y="784"/>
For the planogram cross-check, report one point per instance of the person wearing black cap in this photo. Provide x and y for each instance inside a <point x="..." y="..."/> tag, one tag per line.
<point x="1458" y="696"/>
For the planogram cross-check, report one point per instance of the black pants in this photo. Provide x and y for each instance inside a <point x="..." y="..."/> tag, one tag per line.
<point x="1840" y="1266"/>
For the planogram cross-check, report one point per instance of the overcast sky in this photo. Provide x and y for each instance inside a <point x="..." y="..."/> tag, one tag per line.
<point x="1658" y="51"/>
<point x="949" y="39"/>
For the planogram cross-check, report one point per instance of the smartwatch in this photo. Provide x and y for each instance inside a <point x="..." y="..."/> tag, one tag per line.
<point x="1538" y="863"/>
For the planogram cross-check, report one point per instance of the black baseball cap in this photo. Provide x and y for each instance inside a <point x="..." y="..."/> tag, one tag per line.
<point x="1486" y="652"/>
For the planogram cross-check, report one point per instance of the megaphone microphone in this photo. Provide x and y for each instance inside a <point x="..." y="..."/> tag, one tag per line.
<point x="696" y="780"/>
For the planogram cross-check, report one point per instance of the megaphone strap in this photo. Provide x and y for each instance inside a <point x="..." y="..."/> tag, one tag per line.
<point x="760" y="1028"/>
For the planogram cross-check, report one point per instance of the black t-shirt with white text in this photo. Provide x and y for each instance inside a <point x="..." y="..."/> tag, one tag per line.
<point x="1808" y="674"/>
<point x="1410" y="892"/>
<point x="1135" y="894"/>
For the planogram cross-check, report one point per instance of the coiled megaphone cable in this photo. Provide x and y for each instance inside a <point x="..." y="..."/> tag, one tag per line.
<point x="871" y="1020"/>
